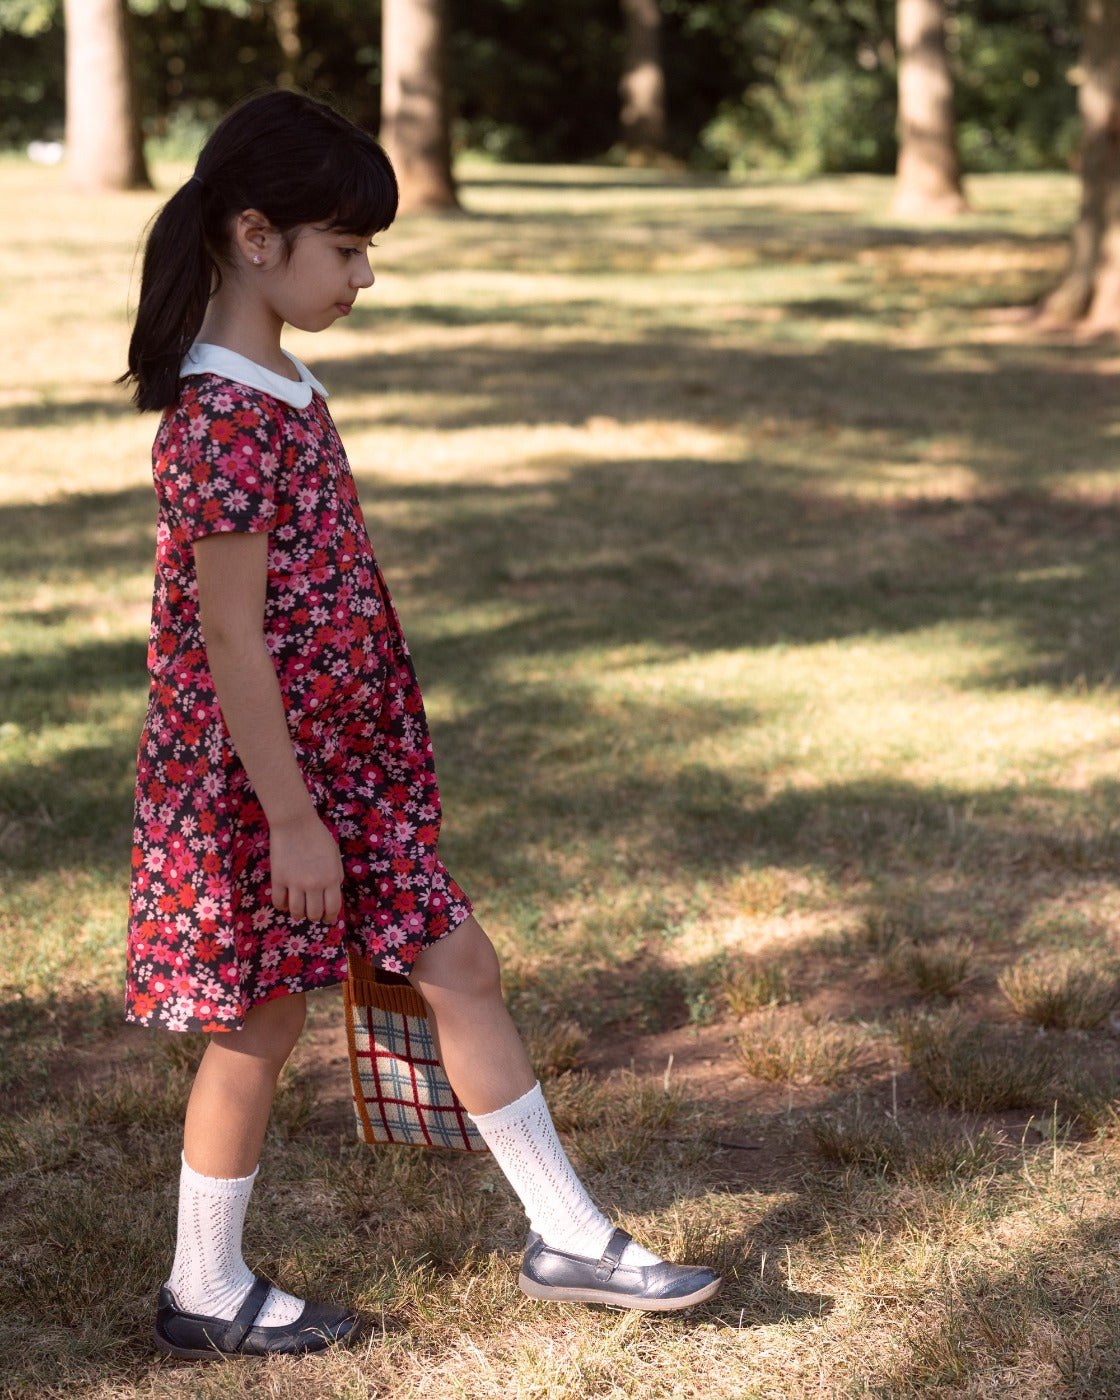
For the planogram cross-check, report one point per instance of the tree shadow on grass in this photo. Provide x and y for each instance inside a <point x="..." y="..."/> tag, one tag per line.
<point x="999" y="411"/>
<point x="51" y="413"/>
<point x="78" y="534"/>
<point x="689" y="557"/>
<point x="669" y="559"/>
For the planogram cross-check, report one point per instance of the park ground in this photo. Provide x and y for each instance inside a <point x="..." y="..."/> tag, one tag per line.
<point x="759" y="558"/>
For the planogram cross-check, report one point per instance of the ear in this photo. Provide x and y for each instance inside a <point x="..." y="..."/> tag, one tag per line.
<point x="254" y="238"/>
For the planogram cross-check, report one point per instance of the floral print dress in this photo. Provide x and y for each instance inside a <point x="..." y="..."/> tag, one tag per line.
<point x="247" y="450"/>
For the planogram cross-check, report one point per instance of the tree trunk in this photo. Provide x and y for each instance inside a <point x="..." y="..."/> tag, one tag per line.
<point x="104" y="148"/>
<point x="642" y="87"/>
<point x="928" y="179"/>
<point x="285" y="23"/>
<point x="415" y="123"/>
<point x="1091" y="286"/>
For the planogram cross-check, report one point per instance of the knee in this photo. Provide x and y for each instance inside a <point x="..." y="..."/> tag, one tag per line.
<point x="271" y="1030"/>
<point x="461" y="966"/>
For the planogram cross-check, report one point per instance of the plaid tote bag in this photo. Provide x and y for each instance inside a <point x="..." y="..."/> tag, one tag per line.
<point x="401" y="1093"/>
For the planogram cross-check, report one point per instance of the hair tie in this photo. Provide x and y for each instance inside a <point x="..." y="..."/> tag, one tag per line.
<point x="195" y="180"/>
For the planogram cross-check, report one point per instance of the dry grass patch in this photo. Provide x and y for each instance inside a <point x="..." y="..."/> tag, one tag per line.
<point x="921" y="1148"/>
<point x="780" y="1044"/>
<point x="1063" y="992"/>
<point x="934" y="970"/>
<point x="977" y="1068"/>
<point x="747" y="988"/>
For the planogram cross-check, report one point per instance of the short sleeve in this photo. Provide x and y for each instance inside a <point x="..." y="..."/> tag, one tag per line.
<point x="217" y="459"/>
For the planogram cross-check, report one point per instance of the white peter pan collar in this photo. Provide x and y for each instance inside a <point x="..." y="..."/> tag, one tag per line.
<point x="202" y="358"/>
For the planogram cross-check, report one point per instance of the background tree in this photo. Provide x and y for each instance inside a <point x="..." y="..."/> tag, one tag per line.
<point x="928" y="174"/>
<point x="415" y="120"/>
<point x="642" y="86"/>
<point x="803" y="87"/>
<point x="1090" y="288"/>
<point x="104" y="147"/>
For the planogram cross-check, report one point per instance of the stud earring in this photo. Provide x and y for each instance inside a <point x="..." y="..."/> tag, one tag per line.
<point x="257" y="259"/>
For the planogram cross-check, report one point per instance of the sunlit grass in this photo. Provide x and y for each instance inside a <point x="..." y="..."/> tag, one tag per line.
<point x="760" y="571"/>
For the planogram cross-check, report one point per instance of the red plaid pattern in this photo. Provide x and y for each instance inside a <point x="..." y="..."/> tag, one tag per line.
<point x="401" y="1093"/>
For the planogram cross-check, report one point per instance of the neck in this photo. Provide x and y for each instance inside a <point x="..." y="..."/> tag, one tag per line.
<point x="240" y="323"/>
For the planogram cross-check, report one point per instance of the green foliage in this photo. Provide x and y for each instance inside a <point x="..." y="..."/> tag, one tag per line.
<point x="806" y="87"/>
<point x="1016" y="108"/>
<point x="27" y="18"/>
<point x="808" y="107"/>
<point x="31" y="70"/>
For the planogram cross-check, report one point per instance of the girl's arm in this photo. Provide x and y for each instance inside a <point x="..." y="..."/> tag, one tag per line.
<point x="232" y="580"/>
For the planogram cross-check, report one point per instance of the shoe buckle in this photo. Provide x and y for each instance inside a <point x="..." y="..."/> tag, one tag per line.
<point x="612" y="1256"/>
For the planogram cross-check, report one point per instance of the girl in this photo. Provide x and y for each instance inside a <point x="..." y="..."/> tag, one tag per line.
<point x="286" y="799"/>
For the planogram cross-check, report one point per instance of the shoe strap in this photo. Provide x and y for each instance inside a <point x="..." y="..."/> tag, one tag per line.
<point x="612" y="1255"/>
<point x="247" y="1314"/>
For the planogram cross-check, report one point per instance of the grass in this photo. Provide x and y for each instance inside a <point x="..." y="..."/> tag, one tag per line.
<point x="1065" y="993"/>
<point x="781" y="1045"/>
<point x="923" y="1149"/>
<point x="760" y="568"/>
<point x="939" y="970"/>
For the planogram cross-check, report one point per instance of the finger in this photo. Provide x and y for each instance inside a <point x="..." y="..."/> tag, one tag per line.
<point x="332" y="905"/>
<point x="279" y="896"/>
<point x="296" y="904"/>
<point x="313" y="905"/>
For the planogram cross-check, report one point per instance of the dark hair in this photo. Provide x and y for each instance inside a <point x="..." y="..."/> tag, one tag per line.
<point x="295" y="160"/>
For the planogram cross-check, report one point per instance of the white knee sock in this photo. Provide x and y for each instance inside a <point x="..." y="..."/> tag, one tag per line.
<point x="523" y="1140"/>
<point x="209" y="1276"/>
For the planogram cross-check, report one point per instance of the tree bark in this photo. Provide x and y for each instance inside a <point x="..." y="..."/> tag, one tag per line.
<point x="928" y="177"/>
<point x="415" y="121"/>
<point x="641" y="88"/>
<point x="104" y="146"/>
<point x="1090" y="289"/>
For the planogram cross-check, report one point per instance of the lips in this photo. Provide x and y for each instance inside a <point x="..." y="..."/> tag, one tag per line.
<point x="344" y="307"/>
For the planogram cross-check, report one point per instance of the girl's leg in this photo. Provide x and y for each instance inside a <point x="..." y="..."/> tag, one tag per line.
<point x="486" y="1063"/>
<point x="578" y="1255"/>
<point x="479" y="1045"/>
<point x="234" y="1086"/>
<point x="227" y="1115"/>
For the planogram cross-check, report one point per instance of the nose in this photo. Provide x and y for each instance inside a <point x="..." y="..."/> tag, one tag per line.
<point x="363" y="274"/>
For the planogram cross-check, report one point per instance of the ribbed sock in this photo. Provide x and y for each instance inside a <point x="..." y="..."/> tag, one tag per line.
<point x="209" y="1275"/>
<point x="523" y="1140"/>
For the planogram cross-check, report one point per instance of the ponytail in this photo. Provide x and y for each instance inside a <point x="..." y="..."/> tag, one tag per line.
<point x="293" y="159"/>
<point x="175" y="285"/>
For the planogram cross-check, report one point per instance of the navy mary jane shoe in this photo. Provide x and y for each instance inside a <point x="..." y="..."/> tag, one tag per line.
<point x="197" y="1338"/>
<point x="556" y="1277"/>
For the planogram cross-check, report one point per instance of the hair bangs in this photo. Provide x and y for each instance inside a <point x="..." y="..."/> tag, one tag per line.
<point x="366" y="193"/>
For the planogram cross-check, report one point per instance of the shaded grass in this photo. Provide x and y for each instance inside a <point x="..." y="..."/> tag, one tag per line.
<point x="1066" y="993"/>
<point x="982" y="1069"/>
<point x="922" y="1149"/>
<point x="762" y="584"/>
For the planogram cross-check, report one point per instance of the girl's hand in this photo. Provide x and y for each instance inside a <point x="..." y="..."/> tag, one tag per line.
<point x="306" y="870"/>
